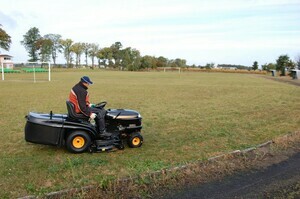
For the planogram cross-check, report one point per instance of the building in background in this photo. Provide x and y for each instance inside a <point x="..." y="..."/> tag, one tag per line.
<point x="6" y="60"/>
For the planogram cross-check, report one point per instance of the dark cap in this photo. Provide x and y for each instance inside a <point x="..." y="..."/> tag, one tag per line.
<point x="86" y="79"/>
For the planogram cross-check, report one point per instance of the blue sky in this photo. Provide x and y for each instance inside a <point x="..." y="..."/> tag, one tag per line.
<point x="218" y="31"/>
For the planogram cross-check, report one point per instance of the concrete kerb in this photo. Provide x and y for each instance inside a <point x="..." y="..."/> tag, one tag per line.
<point x="266" y="146"/>
<point x="60" y="194"/>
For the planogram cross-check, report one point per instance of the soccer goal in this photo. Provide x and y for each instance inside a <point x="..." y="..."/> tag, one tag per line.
<point x="172" y="69"/>
<point x="27" y="71"/>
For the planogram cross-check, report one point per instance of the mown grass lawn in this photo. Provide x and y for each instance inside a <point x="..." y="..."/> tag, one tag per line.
<point x="186" y="117"/>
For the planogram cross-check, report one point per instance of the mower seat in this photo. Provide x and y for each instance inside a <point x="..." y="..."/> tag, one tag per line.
<point x="73" y="115"/>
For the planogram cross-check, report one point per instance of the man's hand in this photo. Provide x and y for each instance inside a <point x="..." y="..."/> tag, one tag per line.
<point x="92" y="105"/>
<point x="93" y="115"/>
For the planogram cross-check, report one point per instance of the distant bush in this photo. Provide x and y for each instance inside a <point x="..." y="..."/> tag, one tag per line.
<point x="214" y="70"/>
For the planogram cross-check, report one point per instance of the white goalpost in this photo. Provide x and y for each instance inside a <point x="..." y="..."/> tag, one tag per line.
<point x="34" y="69"/>
<point x="2" y="70"/>
<point x="28" y="68"/>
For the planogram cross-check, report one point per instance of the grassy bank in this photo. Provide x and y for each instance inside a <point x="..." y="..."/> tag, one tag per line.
<point x="186" y="117"/>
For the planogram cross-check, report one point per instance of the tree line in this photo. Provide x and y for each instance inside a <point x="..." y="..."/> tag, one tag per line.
<point x="47" y="48"/>
<point x="283" y="63"/>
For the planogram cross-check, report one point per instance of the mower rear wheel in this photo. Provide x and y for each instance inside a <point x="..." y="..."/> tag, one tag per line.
<point x="135" y="140"/>
<point x="78" y="142"/>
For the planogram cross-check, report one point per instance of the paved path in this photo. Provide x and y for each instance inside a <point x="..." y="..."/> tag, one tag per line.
<point x="273" y="182"/>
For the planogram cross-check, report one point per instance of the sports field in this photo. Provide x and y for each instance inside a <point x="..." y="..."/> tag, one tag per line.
<point x="186" y="117"/>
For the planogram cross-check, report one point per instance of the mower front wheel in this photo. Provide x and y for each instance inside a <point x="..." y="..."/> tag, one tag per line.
<point x="135" y="140"/>
<point x="78" y="142"/>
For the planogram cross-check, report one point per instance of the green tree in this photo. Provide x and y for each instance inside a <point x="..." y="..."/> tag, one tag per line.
<point x="210" y="65"/>
<point x="66" y="46"/>
<point x="180" y="62"/>
<point x="136" y="57"/>
<point x="101" y="57"/>
<point x="131" y="59"/>
<point x="30" y="43"/>
<point x="93" y="52"/>
<point x="255" y="65"/>
<point x="5" y="39"/>
<point x="56" y="46"/>
<point x="127" y="58"/>
<point x="282" y="63"/>
<point x="117" y="53"/>
<point x="177" y="62"/>
<point x="269" y="66"/>
<point x="148" y="62"/>
<point x="291" y="64"/>
<point x="87" y="47"/>
<point x="44" y="46"/>
<point x="161" y="61"/>
<point x="78" y="49"/>
<point x="107" y="56"/>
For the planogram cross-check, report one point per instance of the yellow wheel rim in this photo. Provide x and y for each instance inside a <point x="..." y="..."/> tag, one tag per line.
<point x="78" y="142"/>
<point x="136" y="141"/>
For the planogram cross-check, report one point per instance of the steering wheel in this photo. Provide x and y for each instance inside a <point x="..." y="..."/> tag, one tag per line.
<point x="100" y="105"/>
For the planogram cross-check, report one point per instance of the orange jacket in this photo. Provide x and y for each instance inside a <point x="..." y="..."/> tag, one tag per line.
<point x="80" y="98"/>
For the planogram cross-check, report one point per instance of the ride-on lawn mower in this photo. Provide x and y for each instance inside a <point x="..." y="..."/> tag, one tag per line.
<point x="80" y="135"/>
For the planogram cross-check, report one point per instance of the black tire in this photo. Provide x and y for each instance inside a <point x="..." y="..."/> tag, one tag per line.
<point x="78" y="142"/>
<point x="135" y="140"/>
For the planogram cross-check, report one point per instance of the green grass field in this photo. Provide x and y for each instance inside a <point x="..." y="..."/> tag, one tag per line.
<point x="186" y="117"/>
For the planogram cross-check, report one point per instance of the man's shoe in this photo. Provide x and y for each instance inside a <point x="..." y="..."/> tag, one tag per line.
<point x="105" y="134"/>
